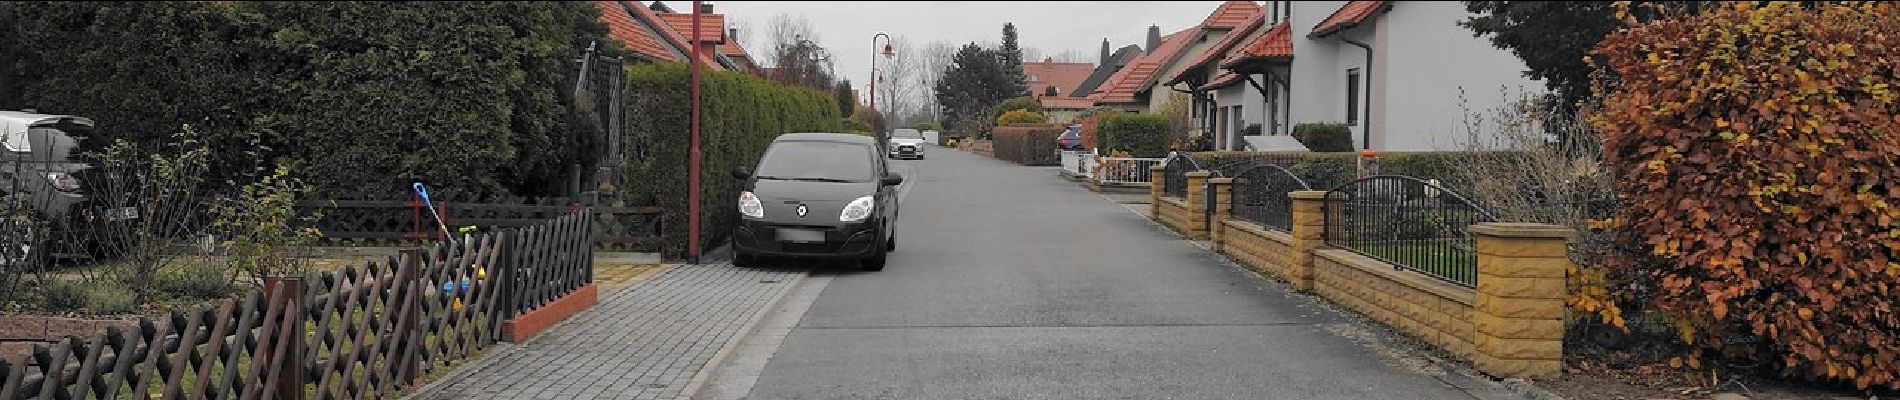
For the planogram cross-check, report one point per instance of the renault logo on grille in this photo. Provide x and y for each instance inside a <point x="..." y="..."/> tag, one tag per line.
<point x="802" y="210"/>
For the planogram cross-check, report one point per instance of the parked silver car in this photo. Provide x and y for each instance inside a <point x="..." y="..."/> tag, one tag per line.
<point x="907" y="143"/>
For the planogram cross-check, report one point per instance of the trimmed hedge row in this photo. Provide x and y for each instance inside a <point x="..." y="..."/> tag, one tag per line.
<point x="740" y="115"/>
<point x="1142" y="135"/>
<point x="1028" y="144"/>
<point x="1326" y="170"/>
<point x="1324" y="136"/>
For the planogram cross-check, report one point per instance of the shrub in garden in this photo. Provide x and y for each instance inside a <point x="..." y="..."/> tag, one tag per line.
<point x="197" y="282"/>
<point x="1141" y="135"/>
<point x="1753" y="148"/>
<point x="1016" y="103"/>
<point x="1019" y="117"/>
<point x="1324" y="137"/>
<point x="740" y="116"/>
<point x="1028" y="144"/>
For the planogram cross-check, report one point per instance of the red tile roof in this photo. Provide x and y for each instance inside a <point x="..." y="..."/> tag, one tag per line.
<point x="1222" y="80"/>
<point x="1122" y="86"/>
<point x="1347" y="16"/>
<point x="648" y="34"/>
<point x="712" y="27"/>
<point x="1065" y="76"/>
<point x="1065" y="102"/>
<point x="1232" y="14"/>
<point x="1276" y="43"/>
<point x="1219" y="50"/>
<point x="621" y="26"/>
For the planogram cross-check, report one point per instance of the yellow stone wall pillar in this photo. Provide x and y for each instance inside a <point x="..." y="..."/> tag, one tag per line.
<point x="1520" y="301"/>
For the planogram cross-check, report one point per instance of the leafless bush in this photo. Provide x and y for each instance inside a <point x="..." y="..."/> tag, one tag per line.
<point x="1533" y="162"/>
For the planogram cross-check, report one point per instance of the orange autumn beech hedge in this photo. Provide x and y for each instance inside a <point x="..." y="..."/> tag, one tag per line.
<point x="1755" y="147"/>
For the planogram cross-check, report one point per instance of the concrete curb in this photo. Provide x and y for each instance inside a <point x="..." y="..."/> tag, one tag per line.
<point x="698" y="383"/>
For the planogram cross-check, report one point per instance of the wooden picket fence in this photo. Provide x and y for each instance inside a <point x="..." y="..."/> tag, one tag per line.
<point x="361" y="332"/>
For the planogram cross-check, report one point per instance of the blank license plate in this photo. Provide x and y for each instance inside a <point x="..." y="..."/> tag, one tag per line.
<point x="801" y="236"/>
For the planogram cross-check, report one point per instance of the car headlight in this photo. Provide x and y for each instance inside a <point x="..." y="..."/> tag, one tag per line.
<point x="63" y="182"/>
<point x="857" y="210"/>
<point x="749" y="205"/>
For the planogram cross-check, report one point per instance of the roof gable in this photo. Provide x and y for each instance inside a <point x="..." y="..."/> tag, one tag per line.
<point x="1219" y="50"/>
<point x="1064" y="76"/>
<point x="637" y="37"/>
<point x="1132" y="79"/>
<point x="1108" y="69"/>
<point x="1232" y="14"/>
<point x="712" y="27"/>
<point x="1348" y="16"/>
<point x="1275" y="44"/>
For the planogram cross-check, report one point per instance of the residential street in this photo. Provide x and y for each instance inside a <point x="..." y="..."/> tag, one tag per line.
<point x="1011" y="283"/>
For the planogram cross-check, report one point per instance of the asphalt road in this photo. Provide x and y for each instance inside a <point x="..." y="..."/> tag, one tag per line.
<point x="1010" y="283"/>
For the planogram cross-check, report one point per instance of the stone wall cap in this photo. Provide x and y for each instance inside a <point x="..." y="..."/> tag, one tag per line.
<point x="1199" y="174"/>
<point x="1522" y="230"/>
<point x="1221" y="181"/>
<point x="1157" y="167"/>
<point x="1307" y="194"/>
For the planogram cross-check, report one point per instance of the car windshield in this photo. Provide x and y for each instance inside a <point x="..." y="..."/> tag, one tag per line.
<point x="816" y="161"/>
<point x="906" y="134"/>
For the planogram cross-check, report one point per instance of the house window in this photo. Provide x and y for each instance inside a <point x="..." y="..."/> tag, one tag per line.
<point x="1352" y="97"/>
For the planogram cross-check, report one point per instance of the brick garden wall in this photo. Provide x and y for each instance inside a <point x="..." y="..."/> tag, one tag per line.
<point x="1434" y="311"/>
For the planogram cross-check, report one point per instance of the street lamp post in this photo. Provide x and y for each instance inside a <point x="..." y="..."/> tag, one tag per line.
<point x="887" y="54"/>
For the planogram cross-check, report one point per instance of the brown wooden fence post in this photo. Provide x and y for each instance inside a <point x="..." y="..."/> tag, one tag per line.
<point x="290" y="373"/>
<point x="408" y="360"/>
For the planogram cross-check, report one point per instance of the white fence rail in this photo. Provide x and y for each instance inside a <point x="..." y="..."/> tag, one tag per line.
<point x="1125" y="171"/>
<point x="1078" y="163"/>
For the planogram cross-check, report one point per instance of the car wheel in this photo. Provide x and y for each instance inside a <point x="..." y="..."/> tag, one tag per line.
<point x="876" y="262"/>
<point x="891" y="244"/>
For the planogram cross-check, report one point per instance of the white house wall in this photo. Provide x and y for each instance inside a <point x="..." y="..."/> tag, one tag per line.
<point x="1317" y="84"/>
<point x="1421" y="60"/>
<point x="1424" y="60"/>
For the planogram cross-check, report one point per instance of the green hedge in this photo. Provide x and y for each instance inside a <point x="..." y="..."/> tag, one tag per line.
<point x="740" y="115"/>
<point x="1326" y="170"/>
<point x="473" y="97"/>
<point x="1142" y="135"/>
<point x="1323" y="136"/>
<point x="1028" y="144"/>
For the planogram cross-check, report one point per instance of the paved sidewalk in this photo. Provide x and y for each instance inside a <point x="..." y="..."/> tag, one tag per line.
<point x="645" y="342"/>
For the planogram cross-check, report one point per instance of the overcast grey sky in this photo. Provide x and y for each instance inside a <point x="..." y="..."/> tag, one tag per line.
<point x="846" y="27"/>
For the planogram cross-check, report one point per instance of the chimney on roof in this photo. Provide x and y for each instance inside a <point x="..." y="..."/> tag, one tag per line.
<point x="705" y="8"/>
<point x="732" y="32"/>
<point x="1104" y="52"/>
<point x="1154" y="38"/>
<point x="1048" y="60"/>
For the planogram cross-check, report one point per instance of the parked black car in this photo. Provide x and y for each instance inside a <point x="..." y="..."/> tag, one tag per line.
<point x="40" y="169"/>
<point x="818" y="195"/>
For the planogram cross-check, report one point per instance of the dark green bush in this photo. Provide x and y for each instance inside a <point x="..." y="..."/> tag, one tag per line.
<point x="1326" y="170"/>
<point x="740" y="115"/>
<point x="93" y="297"/>
<point x="1324" y="137"/>
<point x="1250" y="130"/>
<point x="1142" y="135"/>
<point x="62" y="295"/>
<point x="1026" y="103"/>
<point x="197" y="282"/>
<point x="469" y="96"/>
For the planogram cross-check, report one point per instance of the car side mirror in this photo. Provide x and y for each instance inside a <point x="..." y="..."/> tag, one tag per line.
<point x="893" y="179"/>
<point x="740" y="173"/>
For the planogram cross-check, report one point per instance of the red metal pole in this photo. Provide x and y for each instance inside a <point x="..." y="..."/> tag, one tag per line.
<point x="692" y="196"/>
